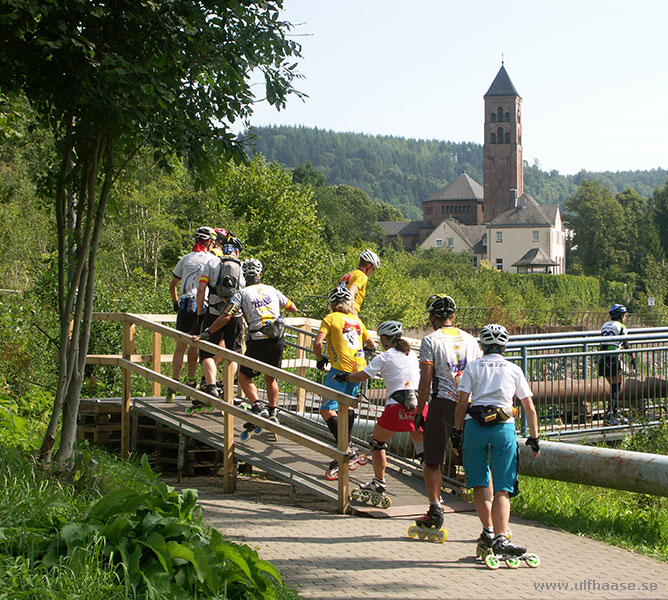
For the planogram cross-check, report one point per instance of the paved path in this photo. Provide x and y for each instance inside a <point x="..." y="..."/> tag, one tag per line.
<point x="326" y="556"/>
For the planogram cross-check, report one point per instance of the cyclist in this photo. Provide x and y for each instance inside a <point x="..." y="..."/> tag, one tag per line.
<point x="187" y="271"/>
<point x="222" y="278"/>
<point x="346" y="338"/>
<point x="356" y="280"/>
<point x="261" y="306"/>
<point x="610" y="366"/>
<point x="443" y="356"/>
<point x="489" y="437"/>
<point x="400" y="370"/>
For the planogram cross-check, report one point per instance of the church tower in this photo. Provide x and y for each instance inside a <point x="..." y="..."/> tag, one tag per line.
<point x="502" y="149"/>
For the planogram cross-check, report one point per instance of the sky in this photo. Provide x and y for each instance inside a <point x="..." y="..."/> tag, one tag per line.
<point x="592" y="74"/>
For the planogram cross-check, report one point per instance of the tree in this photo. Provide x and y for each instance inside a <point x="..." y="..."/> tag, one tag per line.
<point x="660" y="210"/>
<point x="110" y="78"/>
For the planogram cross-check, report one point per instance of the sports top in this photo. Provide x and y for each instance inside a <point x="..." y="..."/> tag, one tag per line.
<point x="358" y="278"/>
<point x="188" y="270"/>
<point x="345" y="335"/>
<point x="261" y="304"/>
<point x="449" y="349"/>
<point x="494" y="381"/>
<point x="398" y="370"/>
<point x="613" y="328"/>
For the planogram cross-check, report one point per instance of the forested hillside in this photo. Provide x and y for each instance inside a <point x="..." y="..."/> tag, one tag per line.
<point x="404" y="172"/>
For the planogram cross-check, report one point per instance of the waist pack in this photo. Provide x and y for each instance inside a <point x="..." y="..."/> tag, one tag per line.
<point x="274" y="330"/>
<point x="489" y="415"/>
<point x="189" y="304"/>
<point x="407" y="398"/>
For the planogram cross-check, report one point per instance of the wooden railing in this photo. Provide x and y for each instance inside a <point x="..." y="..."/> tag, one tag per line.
<point x="129" y="361"/>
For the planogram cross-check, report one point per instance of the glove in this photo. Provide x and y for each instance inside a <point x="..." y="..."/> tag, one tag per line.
<point x="205" y="335"/>
<point x="456" y="438"/>
<point x="197" y="325"/>
<point x="322" y="361"/>
<point x="532" y="442"/>
<point x="176" y="306"/>
<point x="341" y="377"/>
<point x="419" y="421"/>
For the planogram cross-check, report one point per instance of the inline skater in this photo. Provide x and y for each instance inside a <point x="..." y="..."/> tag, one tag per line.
<point x="490" y="440"/>
<point x="356" y="280"/>
<point x="610" y="366"/>
<point x="261" y="306"/>
<point x="221" y="278"/>
<point x="400" y="370"/>
<point x="187" y="271"/>
<point x="346" y="338"/>
<point x="444" y="355"/>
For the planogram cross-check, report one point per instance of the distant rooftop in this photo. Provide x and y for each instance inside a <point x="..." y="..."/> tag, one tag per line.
<point x="462" y="188"/>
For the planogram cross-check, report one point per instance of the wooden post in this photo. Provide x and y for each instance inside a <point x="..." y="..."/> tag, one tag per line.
<point x="301" y="370"/>
<point x="157" y="360"/>
<point x="344" y="486"/>
<point x="229" y="478"/>
<point x="128" y="348"/>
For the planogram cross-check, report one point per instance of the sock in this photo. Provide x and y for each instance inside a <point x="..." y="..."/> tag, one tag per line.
<point x="435" y="503"/>
<point x="332" y="425"/>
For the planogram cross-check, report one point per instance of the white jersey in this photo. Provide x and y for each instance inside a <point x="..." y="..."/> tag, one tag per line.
<point x="494" y="381"/>
<point x="449" y="349"/>
<point x="188" y="270"/>
<point x="398" y="370"/>
<point x="261" y="304"/>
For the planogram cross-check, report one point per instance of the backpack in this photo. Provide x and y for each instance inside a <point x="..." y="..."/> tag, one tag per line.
<point x="229" y="277"/>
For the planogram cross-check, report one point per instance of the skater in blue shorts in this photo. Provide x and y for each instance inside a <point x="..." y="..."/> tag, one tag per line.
<point x="489" y="439"/>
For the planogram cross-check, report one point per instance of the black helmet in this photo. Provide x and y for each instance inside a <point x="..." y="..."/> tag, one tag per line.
<point x="617" y="311"/>
<point x="441" y="305"/>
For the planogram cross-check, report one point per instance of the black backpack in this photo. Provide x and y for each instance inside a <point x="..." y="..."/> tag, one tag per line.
<point x="229" y="277"/>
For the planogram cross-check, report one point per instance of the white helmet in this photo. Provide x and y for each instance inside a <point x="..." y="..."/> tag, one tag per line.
<point x="370" y="257"/>
<point x="251" y="267"/>
<point x="390" y="328"/>
<point x="494" y="335"/>
<point x="339" y="295"/>
<point x="205" y="233"/>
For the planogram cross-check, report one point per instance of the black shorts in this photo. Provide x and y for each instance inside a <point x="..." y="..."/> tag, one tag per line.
<point x="185" y="320"/>
<point x="232" y="334"/>
<point x="437" y="429"/>
<point x="269" y="352"/>
<point x="608" y="366"/>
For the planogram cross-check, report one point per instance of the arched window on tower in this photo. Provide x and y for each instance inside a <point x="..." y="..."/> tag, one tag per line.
<point x="499" y="112"/>
<point x="506" y="117"/>
<point x="494" y="138"/>
<point x="493" y="117"/>
<point x="499" y="135"/>
<point x="507" y="138"/>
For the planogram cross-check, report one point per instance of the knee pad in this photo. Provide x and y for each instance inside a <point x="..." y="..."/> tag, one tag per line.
<point x="377" y="446"/>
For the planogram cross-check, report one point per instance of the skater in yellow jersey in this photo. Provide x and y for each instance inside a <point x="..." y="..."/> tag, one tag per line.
<point x="356" y="280"/>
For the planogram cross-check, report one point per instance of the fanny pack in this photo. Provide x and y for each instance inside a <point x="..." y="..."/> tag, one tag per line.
<point x="407" y="398"/>
<point x="189" y="304"/>
<point x="489" y="415"/>
<point x="273" y="331"/>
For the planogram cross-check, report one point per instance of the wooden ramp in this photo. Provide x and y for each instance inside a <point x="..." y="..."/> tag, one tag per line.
<point x="291" y="462"/>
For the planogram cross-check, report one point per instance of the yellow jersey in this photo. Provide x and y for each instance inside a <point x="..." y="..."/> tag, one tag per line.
<point x="345" y="335"/>
<point x="359" y="279"/>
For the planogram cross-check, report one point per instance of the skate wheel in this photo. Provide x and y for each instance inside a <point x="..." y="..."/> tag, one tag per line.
<point x="210" y="408"/>
<point x="508" y="534"/>
<point x="441" y="536"/>
<point x="331" y="475"/>
<point x="412" y="531"/>
<point x="375" y="499"/>
<point x="365" y="496"/>
<point x="355" y="494"/>
<point x="431" y="536"/>
<point x="352" y="465"/>
<point x="386" y="502"/>
<point x="199" y="410"/>
<point x="362" y="459"/>
<point x="532" y="561"/>
<point x="190" y="410"/>
<point x="257" y="430"/>
<point x="274" y="419"/>
<point x="492" y="562"/>
<point x="422" y="534"/>
<point x="513" y="563"/>
<point x="244" y="435"/>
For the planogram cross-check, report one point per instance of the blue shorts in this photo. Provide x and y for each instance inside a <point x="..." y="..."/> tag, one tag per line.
<point x="492" y="446"/>
<point x="340" y="386"/>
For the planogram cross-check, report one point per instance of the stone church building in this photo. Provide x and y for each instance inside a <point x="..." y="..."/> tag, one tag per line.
<point x="496" y="221"/>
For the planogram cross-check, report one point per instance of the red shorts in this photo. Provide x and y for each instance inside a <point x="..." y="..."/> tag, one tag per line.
<point x="396" y="418"/>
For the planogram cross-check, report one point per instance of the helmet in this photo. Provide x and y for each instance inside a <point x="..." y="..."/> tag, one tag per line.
<point x="441" y="305"/>
<point x="617" y="311"/>
<point x="235" y="241"/>
<point x="390" y="328"/>
<point x="493" y="335"/>
<point x="230" y="249"/>
<point x="251" y="267"/>
<point x="339" y="294"/>
<point x="222" y="235"/>
<point x="370" y="257"/>
<point x="205" y="233"/>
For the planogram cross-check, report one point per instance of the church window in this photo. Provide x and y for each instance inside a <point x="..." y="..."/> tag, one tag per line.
<point x="494" y="138"/>
<point x="499" y="135"/>
<point x="507" y="138"/>
<point x="500" y="113"/>
<point x="506" y="117"/>
<point x="493" y="117"/>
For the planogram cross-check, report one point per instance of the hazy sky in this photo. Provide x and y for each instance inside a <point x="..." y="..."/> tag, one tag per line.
<point x="592" y="74"/>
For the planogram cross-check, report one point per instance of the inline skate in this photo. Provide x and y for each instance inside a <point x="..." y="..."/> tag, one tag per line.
<point x="504" y="550"/>
<point x="372" y="492"/>
<point x="429" y="526"/>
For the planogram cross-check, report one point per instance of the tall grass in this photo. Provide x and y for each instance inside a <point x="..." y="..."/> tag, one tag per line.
<point x="638" y="522"/>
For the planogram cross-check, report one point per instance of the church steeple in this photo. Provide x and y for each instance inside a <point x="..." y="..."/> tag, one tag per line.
<point x="502" y="146"/>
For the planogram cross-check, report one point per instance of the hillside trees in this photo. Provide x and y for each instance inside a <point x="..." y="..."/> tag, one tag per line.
<point x="107" y="79"/>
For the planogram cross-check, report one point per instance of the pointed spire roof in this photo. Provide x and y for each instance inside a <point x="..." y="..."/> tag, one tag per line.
<point x="502" y="86"/>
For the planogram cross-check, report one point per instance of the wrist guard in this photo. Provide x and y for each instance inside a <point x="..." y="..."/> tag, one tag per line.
<point x="456" y="438"/>
<point x="322" y="361"/>
<point x="341" y="377"/>
<point x="532" y="442"/>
